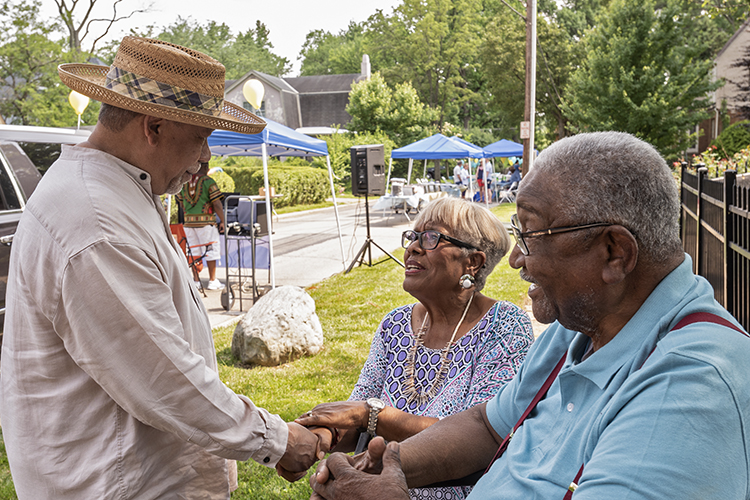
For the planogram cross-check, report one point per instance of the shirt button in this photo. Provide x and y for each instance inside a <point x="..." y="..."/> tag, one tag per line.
<point x="144" y="177"/>
<point x="266" y="460"/>
<point x="570" y="406"/>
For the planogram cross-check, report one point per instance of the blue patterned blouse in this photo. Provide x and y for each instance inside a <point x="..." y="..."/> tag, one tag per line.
<point x="481" y="362"/>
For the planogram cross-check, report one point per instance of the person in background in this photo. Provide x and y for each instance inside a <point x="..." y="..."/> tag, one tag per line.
<point x="453" y="349"/>
<point x="480" y="180"/>
<point x="200" y="199"/>
<point x="515" y="176"/>
<point x="458" y="177"/>
<point x="638" y="389"/>
<point x="457" y="173"/>
<point x="109" y="385"/>
<point x="489" y="170"/>
<point x="465" y="179"/>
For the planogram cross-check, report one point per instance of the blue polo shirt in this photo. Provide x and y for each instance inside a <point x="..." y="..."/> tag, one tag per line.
<point x="676" y="426"/>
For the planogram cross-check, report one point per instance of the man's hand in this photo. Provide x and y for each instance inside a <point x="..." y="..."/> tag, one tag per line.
<point x="343" y="477"/>
<point x="302" y="451"/>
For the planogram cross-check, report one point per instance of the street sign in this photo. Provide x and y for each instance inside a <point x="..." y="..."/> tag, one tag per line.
<point x="525" y="130"/>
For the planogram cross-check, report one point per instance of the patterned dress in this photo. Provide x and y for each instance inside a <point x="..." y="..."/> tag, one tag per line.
<point x="197" y="197"/>
<point x="481" y="362"/>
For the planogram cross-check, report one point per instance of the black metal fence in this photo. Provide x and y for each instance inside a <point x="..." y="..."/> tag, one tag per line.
<point x="715" y="230"/>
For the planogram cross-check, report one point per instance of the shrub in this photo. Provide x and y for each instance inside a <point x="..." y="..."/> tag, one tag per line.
<point x="223" y="181"/>
<point x="297" y="185"/>
<point x="733" y="139"/>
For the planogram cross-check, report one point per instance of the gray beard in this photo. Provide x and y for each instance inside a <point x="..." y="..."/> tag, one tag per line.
<point x="175" y="186"/>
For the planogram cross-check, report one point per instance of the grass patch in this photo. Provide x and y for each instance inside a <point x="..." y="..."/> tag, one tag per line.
<point x="504" y="211"/>
<point x="303" y="208"/>
<point x="349" y="306"/>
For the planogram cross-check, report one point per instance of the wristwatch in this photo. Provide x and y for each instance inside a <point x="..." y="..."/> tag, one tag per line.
<point x="376" y="406"/>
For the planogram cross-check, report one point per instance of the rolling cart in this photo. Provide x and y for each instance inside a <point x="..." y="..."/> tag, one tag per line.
<point x="244" y="231"/>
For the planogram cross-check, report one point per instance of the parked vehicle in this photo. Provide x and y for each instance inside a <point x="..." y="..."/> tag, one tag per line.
<point x="25" y="153"/>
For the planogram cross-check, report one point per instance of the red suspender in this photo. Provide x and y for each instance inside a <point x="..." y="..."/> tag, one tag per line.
<point x="574" y="485"/>
<point x="704" y="317"/>
<point x="698" y="317"/>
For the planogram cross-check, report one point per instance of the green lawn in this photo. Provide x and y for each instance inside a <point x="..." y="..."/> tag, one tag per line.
<point x="349" y="307"/>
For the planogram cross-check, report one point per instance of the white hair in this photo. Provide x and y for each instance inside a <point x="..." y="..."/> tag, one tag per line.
<point x="615" y="177"/>
<point x="471" y="223"/>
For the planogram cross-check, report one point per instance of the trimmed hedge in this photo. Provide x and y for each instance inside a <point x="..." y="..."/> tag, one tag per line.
<point x="297" y="185"/>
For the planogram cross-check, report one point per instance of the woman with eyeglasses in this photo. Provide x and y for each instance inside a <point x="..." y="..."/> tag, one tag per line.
<point x="451" y="350"/>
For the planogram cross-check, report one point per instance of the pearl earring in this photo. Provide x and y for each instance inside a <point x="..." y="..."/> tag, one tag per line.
<point x="466" y="281"/>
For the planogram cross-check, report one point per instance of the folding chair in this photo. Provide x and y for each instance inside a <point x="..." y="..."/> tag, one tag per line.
<point x="194" y="262"/>
<point x="508" y="194"/>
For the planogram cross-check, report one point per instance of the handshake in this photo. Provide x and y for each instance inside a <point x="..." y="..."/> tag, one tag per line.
<point x="317" y="432"/>
<point x="375" y="474"/>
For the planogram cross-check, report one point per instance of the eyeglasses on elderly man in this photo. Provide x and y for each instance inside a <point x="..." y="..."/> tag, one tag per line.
<point x="520" y="236"/>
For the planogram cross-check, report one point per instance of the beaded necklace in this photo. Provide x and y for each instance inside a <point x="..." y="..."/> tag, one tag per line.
<point x="410" y="388"/>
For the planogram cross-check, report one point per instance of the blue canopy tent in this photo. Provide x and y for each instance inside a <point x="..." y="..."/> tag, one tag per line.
<point x="503" y="148"/>
<point x="436" y="147"/>
<point x="275" y="140"/>
<point x="279" y="140"/>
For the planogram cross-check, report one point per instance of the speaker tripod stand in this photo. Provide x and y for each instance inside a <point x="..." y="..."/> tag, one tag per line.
<point x="366" y="246"/>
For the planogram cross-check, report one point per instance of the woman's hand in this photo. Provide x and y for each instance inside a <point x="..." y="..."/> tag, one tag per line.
<point x="341" y="414"/>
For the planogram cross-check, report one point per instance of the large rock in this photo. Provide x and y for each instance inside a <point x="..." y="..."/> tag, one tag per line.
<point x="282" y="326"/>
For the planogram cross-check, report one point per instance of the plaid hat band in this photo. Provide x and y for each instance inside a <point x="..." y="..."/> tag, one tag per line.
<point x="147" y="90"/>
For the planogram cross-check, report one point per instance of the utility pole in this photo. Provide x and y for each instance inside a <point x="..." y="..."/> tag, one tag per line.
<point x="530" y="107"/>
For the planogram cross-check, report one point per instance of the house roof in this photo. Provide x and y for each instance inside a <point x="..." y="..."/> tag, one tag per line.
<point x="324" y="83"/>
<point x="734" y="37"/>
<point x="324" y="109"/>
<point x="273" y="81"/>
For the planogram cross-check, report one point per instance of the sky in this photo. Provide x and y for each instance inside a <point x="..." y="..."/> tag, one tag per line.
<point x="288" y="21"/>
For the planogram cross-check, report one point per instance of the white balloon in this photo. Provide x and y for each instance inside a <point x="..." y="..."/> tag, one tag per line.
<point x="253" y="91"/>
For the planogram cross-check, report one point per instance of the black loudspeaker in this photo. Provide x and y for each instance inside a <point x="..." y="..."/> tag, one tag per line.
<point x="260" y="216"/>
<point x="368" y="170"/>
<point x="250" y="212"/>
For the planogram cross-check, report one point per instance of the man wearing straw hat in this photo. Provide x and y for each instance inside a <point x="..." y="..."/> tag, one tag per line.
<point x="109" y="383"/>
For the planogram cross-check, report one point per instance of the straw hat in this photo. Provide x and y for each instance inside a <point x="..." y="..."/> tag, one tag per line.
<point x="161" y="79"/>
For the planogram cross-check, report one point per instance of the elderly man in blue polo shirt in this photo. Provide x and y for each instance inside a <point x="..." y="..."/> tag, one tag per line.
<point x="638" y="389"/>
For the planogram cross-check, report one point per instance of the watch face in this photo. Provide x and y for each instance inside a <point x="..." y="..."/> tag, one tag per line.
<point x="375" y="403"/>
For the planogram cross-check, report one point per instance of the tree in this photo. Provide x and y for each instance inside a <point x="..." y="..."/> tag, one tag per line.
<point x="642" y="74"/>
<point x="433" y="45"/>
<point x="724" y="16"/>
<point x="504" y="67"/>
<point x="239" y="54"/>
<point x="79" y="30"/>
<point x="326" y="54"/>
<point x="743" y="85"/>
<point x="398" y="112"/>
<point x="578" y="16"/>
<point x="31" y="92"/>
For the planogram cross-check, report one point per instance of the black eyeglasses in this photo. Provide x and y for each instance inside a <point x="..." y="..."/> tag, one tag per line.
<point x="429" y="240"/>
<point x="520" y="236"/>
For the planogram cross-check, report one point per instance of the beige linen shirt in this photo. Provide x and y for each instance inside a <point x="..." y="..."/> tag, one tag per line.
<point x="109" y="385"/>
